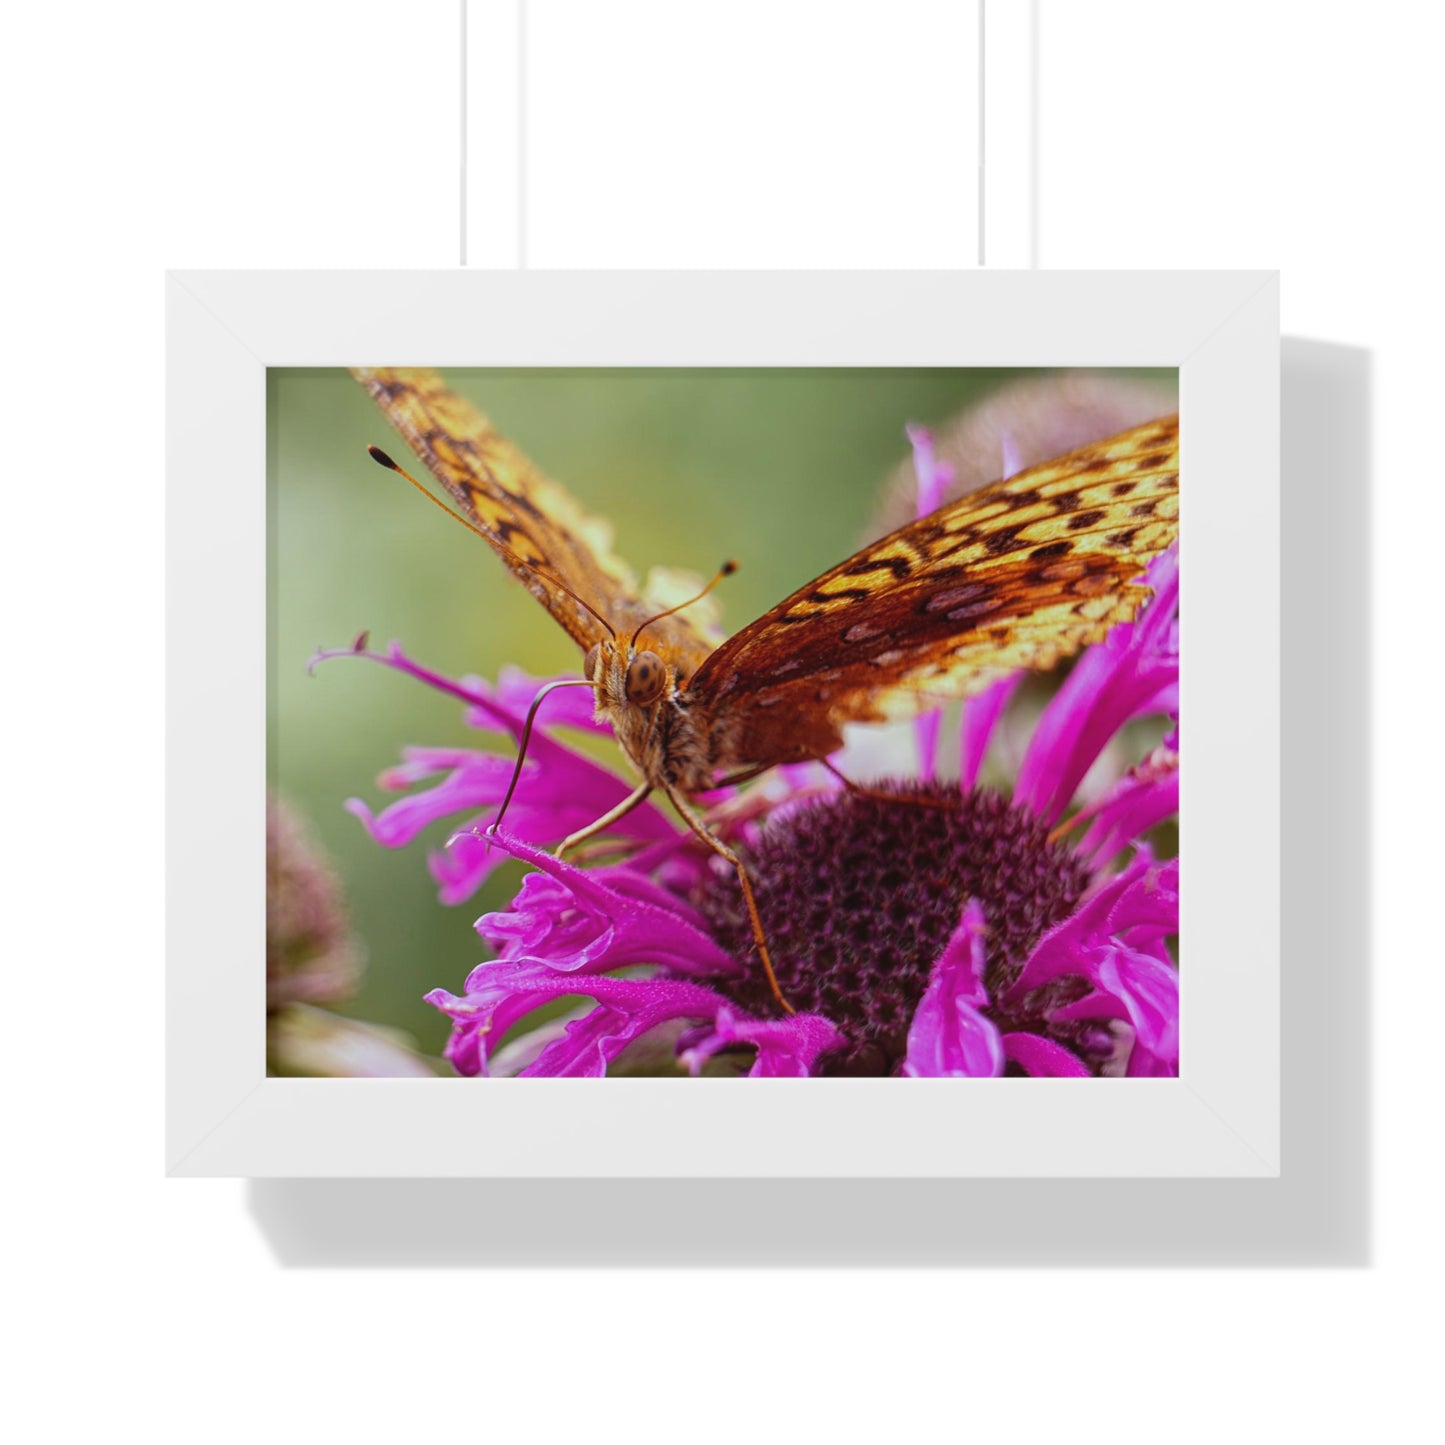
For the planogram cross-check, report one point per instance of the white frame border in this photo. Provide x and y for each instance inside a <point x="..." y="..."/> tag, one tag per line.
<point x="225" y="1117"/>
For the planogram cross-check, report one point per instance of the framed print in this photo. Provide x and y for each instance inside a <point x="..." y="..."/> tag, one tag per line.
<point x="886" y="882"/>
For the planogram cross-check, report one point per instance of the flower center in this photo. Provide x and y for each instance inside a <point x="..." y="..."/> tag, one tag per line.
<point x="859" y="895"/>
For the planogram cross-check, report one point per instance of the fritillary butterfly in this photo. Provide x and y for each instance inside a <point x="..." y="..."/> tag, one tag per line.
<point x="1019" y="574"/>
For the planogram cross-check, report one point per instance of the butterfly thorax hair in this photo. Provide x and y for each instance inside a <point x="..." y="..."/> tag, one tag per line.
<point x="640" y="695"/>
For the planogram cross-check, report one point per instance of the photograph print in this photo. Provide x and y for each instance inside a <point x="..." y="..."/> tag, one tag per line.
<point x="864" y="763"/>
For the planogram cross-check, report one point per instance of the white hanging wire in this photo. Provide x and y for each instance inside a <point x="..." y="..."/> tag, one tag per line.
<point x="1034" y="135"/>
<point x="522" y="132"/>
<point x="981" y="199"/>
<point x="463" y="7"/>
<point x="521" y="135"/>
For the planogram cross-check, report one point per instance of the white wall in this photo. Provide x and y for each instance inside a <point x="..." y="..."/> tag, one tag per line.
<point x="154" y="135"/>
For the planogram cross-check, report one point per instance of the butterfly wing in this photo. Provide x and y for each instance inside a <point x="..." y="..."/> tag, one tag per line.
<point x="1020" y="574"/>
<point x="531" y="521"/>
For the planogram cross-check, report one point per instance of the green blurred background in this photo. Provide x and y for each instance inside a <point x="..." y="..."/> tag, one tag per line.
<point x="779" y="469"/>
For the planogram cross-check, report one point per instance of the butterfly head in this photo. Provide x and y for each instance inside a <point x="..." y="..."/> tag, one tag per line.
<point x="630" y="679"/>
<point x="636" y="691"/>
<point x="627" y="677"/>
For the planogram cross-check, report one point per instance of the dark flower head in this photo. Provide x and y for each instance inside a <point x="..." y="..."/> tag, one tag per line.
<point x="311" y="955"/>
<point x="919" y="927"/>
<point x="312" y="958"/>
<point x="860" y="895"/>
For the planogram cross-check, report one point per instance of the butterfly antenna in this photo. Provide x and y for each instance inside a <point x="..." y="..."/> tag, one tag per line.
<point x="383" y="460"/>
<point x="526" y="738"/>
<point x="726" y="570"/>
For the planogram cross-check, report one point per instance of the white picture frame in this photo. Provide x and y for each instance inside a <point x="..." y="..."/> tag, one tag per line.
<point x="1219" y="1118"/>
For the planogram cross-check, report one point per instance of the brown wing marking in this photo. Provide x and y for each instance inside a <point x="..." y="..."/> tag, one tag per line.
<point x="1020" y="574"/>
<point x="522" y="512"/>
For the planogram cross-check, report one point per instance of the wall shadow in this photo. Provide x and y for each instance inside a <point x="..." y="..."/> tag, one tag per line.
<point x="1317" y="1214"/>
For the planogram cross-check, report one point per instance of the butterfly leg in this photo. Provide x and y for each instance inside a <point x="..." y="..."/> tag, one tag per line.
<point x="600" y="825"/>
<point x="744" y="882"/>
<point x="733" y="779"/>
<point x="947" y="804"/>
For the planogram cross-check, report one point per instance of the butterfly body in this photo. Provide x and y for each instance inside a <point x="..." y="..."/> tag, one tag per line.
<point x="638" y="694"/>
<point x="672" y="741"/>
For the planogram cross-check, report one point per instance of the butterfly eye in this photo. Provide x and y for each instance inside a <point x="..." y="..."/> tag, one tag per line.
<point x="646" y="678"/>
<point x="589" y="663"/>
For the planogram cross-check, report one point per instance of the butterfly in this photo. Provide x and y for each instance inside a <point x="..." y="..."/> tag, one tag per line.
<point x="1020" y="574"/>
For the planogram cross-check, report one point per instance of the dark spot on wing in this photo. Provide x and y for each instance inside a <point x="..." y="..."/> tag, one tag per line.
<point x="1004" y="540"/>
<point x="899" y="566"/>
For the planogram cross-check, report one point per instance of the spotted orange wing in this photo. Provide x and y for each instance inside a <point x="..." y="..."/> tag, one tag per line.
<point x="536" y="526"/>
<point x="1020" y="574"/>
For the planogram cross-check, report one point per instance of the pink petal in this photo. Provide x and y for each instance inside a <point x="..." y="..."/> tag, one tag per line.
<point x="949" y="1037"/>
